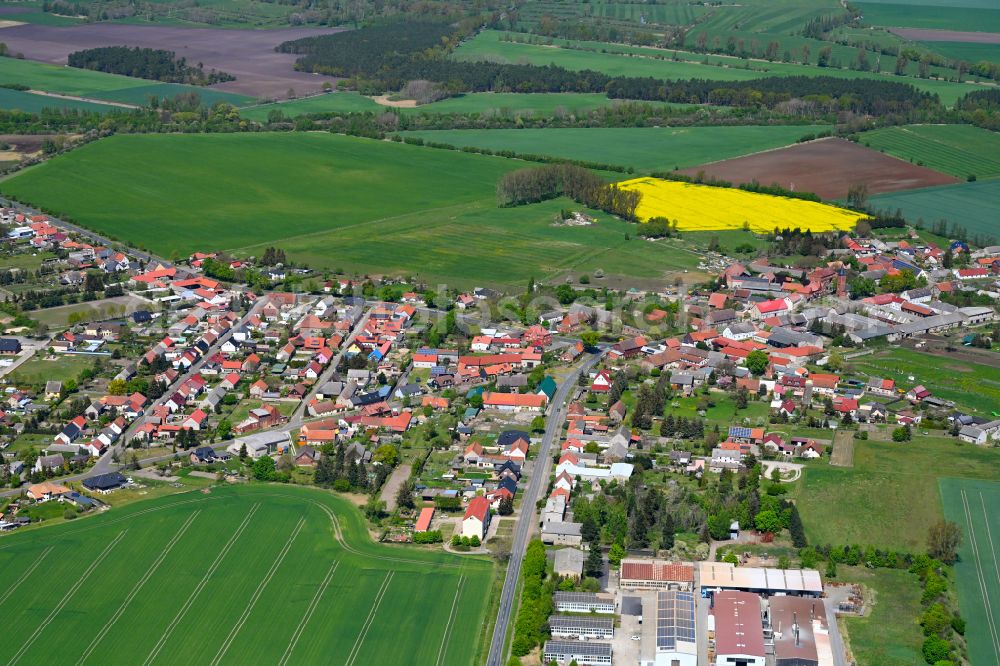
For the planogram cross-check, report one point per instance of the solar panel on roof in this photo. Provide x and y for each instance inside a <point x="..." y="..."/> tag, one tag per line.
<point x="675" y="619"/>
<point x="739" y="431"/>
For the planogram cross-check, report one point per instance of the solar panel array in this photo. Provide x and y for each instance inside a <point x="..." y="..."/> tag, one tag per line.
<point x="674" y="619"/>
<point x="739" y="431"/>
<point x="577" y="648"/>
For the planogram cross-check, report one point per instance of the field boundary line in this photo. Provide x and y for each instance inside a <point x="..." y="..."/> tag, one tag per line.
<point x="257" y="593"/>
<point x="310" y="609"/>
<point x="141" y="583"/>
<point x="17" y="583"/>
<point x="155" y="652"/>
<point x="70" y="593"/>
<point x="360" y="640"/>
<point x="980" y="577"/>
<point x="451" y="620"/>
<point x="989" y="536"/>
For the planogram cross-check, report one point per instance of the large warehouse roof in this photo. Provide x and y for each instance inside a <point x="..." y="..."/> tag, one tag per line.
<point x="725" y="575"/>
<point x="738" y="626"/>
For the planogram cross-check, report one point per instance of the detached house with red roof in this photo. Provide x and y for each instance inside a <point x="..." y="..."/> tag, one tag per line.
<point x="477" y="518"/>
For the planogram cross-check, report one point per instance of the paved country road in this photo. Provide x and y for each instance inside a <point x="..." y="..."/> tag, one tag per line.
<point x="526" y="521"/>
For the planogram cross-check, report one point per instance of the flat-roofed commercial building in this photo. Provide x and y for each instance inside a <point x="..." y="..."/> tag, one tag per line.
<point x="739" y="629"/>
<point x="577" y="626"/>
<point x="656" y="575"/>
<point x="584" y="602"/>
<point x="801" y="634"/>
<point x="725" y="576"/>
<point x="564" y="652"/>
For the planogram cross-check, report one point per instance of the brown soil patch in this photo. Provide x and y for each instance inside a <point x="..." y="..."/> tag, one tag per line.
<point x="918" y="35"/>
<point x="248" y="55"/>
<point x="827" y="167"/>
<point x="396" y="103"/>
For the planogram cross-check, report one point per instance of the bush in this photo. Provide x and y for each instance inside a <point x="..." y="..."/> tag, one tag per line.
<point x="69" y="514"/>
<point x="936" y="649"/>
<point x="430" y="536"/>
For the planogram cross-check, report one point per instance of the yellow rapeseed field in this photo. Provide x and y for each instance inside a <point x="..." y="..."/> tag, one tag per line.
<point x="706" y="208"/>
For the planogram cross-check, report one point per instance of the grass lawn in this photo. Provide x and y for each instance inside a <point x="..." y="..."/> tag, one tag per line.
<point x="334" y="202"/>
<point x="24" y="261"/>
<point x="644" y="148"/>
<point x="975" y="506"/>
<point x="98" y="85"/>
<point x="105" y="308"/>
<point x="723" y="413"/>
<point x="968" y="384"/>
<point x="959" y="150"/>
<point x="889" y="635"/>
<point x="615" y="60"/>
<point x="889" y="498"/>
<point x="514" y="104"/>
<point x="235" y="559"/>
<point x="38" y="370"/>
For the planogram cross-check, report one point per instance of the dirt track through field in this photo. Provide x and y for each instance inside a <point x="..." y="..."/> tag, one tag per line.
<point x="827" y="167"/>
<point x="248" y="55"/>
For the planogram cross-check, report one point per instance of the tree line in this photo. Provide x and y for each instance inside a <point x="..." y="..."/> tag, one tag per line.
<point x="532" y="185"/>
<point x="146" y="63"/>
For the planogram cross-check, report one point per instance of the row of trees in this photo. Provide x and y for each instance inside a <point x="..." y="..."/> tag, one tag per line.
<point x="547" y="182"/>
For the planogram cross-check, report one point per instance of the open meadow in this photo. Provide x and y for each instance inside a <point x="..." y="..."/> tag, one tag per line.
<point x="707" y="208"/>
<point x="975" y="206"/>
<point x="260" y="574"/>
<point x="975" y="506"/>
<point x="890" y="496"/>
<point x="19" y="100"/>
<point x="334" y="202"/>
<point x="960" y="150"/>
<point x="883" y="637"/>
<point x="644" y="148"/>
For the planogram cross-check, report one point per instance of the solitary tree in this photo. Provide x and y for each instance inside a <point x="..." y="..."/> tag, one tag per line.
<point x="943" y="540"/>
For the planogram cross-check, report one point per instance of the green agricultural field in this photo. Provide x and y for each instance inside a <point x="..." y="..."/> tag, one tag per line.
<point x="975" y="206"/>
<point x="889" y="497"/>
<point x="970" y="16"/>
<point x="644" y="148"/>
<point x="975" y="505"/>
<point x="18" y="100"/>
<point x="257" y="574"/>
<point x="967" y="51"/>
<point x="970" y="385"/>
<point x="487" y="45"/>
<point x="99" y="85"/>
<point x="960" y="150"/>
<point x="334" y="202"/>
<point x="521" y="104"/>
<point x="890" y="635"/>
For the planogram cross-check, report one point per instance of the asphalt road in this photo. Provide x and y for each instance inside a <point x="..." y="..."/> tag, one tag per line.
<point x="300" y="412"/>
<point x="526" y="521"/>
